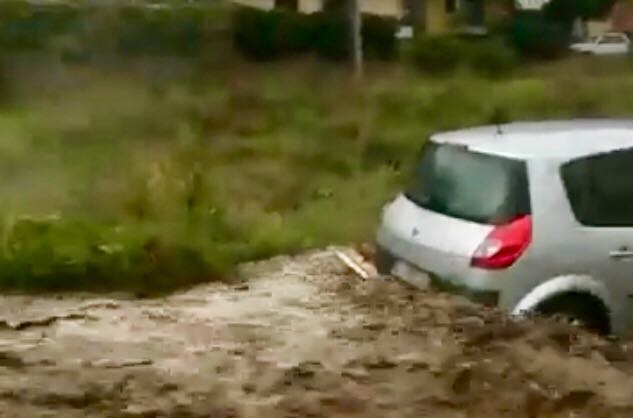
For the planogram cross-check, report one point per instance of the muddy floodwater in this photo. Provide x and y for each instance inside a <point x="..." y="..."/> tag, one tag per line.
<point x="300" y="337"/>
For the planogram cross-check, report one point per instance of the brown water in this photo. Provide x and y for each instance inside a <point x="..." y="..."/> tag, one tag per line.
<point x="300" y="338"/>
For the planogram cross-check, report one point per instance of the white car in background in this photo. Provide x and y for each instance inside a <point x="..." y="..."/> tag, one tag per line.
<point x="614" y="43"/>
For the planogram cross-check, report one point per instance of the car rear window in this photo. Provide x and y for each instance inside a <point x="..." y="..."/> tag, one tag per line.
<point x="482" y="188"/>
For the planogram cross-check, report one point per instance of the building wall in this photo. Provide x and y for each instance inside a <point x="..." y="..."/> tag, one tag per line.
<point x="434" y="15"/>
<point x="598" y="27"/>
<point x="531" y="4"/>
<point x="497" y="11"/>
<point x="382" y="7"/>
<point x="379" y="7"/>
<point x="437" y="20"/>
<point x="261" y="4"/>
<point x="310" y="6"/>
<point x="621" y="16"/>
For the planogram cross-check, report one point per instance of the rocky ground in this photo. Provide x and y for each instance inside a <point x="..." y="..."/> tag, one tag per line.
<point x="302" y="337"/>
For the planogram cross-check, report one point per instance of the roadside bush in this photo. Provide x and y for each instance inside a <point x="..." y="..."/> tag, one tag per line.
<point x="5" y="84"/>
<point x="77" y="31"/>
<point x="436" y="54"/>
<point x="149" y="31"/>
<point x="24" y="26"/>
<point x="255" y="33"/>
<point x="54" y="253"/>
<point x="295" y="32"/>
<point x="267" y="35"/>
<point x="444" y="54"/>
<point x="379" y="37"/>
<point x="492" y="58"/>
<point x="532" y="35"/>
<point x="331" y="39"/>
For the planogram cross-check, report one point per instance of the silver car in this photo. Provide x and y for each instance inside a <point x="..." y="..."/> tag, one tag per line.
<point x="531" y="217"/>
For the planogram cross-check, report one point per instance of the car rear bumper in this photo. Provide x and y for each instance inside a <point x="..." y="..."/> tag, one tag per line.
<point x="386" y="262"/>
<point x="489" y="298"/>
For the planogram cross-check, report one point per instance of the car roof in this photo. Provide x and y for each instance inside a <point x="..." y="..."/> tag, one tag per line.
<point x="563" y="139"/>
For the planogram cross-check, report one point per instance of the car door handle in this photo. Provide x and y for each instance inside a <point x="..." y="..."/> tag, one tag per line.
<point x="621" y="254"/>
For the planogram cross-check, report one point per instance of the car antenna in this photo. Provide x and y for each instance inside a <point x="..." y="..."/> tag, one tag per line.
<point x="499" y="117"/>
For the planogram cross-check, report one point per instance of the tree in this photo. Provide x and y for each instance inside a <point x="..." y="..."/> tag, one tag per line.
<point x="566" y="11"/>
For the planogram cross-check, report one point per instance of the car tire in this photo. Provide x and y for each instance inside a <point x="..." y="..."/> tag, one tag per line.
<point x="583" y="309"/>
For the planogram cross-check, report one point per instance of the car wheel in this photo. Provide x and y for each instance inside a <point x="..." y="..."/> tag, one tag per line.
<point x="579" y="309"/>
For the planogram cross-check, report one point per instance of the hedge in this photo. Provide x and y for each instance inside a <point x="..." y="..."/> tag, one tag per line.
<point x="267" y="35"/>
<point x="130" y="29"/>
<point x="443" y="54"/>
<point x="533" y="35"/>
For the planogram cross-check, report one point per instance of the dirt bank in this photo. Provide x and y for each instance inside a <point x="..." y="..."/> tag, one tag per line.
<point x="300" y="338"/>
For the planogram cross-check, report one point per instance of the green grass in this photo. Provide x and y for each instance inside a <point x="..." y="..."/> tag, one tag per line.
<point x="123" y="182"/>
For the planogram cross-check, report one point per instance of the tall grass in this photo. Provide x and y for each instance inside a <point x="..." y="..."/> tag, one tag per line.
<point x="126" y="182"/>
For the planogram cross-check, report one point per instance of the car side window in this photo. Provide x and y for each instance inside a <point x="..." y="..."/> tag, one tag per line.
<point x="612" y="39"/>
<point x="600" y="189"/>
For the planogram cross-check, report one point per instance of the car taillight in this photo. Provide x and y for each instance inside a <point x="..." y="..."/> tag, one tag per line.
<point x="504" y="245"/>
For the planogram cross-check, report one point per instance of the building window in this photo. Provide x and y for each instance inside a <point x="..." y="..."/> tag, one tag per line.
<point x="292" y="5"/>
<point x="450" y="6"/>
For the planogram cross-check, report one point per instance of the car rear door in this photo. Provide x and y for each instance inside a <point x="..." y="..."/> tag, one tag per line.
<point x="600" y="192"/>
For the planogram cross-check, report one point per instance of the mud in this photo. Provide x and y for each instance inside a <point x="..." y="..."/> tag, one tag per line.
<point x="301" y="337"/>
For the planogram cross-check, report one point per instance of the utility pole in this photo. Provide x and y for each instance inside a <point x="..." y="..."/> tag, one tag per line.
<point x="357" y="38"/>
<point x="363" y="127"/>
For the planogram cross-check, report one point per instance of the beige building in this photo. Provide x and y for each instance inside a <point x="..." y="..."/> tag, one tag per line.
<point x="380" y="7"/>
<point x="430" y="16"/>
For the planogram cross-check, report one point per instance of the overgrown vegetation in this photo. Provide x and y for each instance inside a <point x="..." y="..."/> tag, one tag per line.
<point x="77" y="30"/>
<point x="161" y="171"/>
<point x="109" y="182"/>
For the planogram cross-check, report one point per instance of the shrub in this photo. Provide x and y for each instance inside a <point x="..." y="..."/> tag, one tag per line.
<point x="158" y="31"/>
<point x="130" y="29"/>
<point x="379" y="37"/>
<point x="5" y="84"/>
<point x="266" y="35"/>
<point x="436" y="54"/>
<point x="296" y="32"/>
<point x="26" y="26"/>
<point x="331" y="36"/>
<point x="490" y="57"/>
<point x="255" y="33"/>
<point x="56" y="253"/>
<point x="532" y="35"/>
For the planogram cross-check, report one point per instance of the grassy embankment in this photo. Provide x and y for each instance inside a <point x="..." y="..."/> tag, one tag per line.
<point x="117" y="180"/>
